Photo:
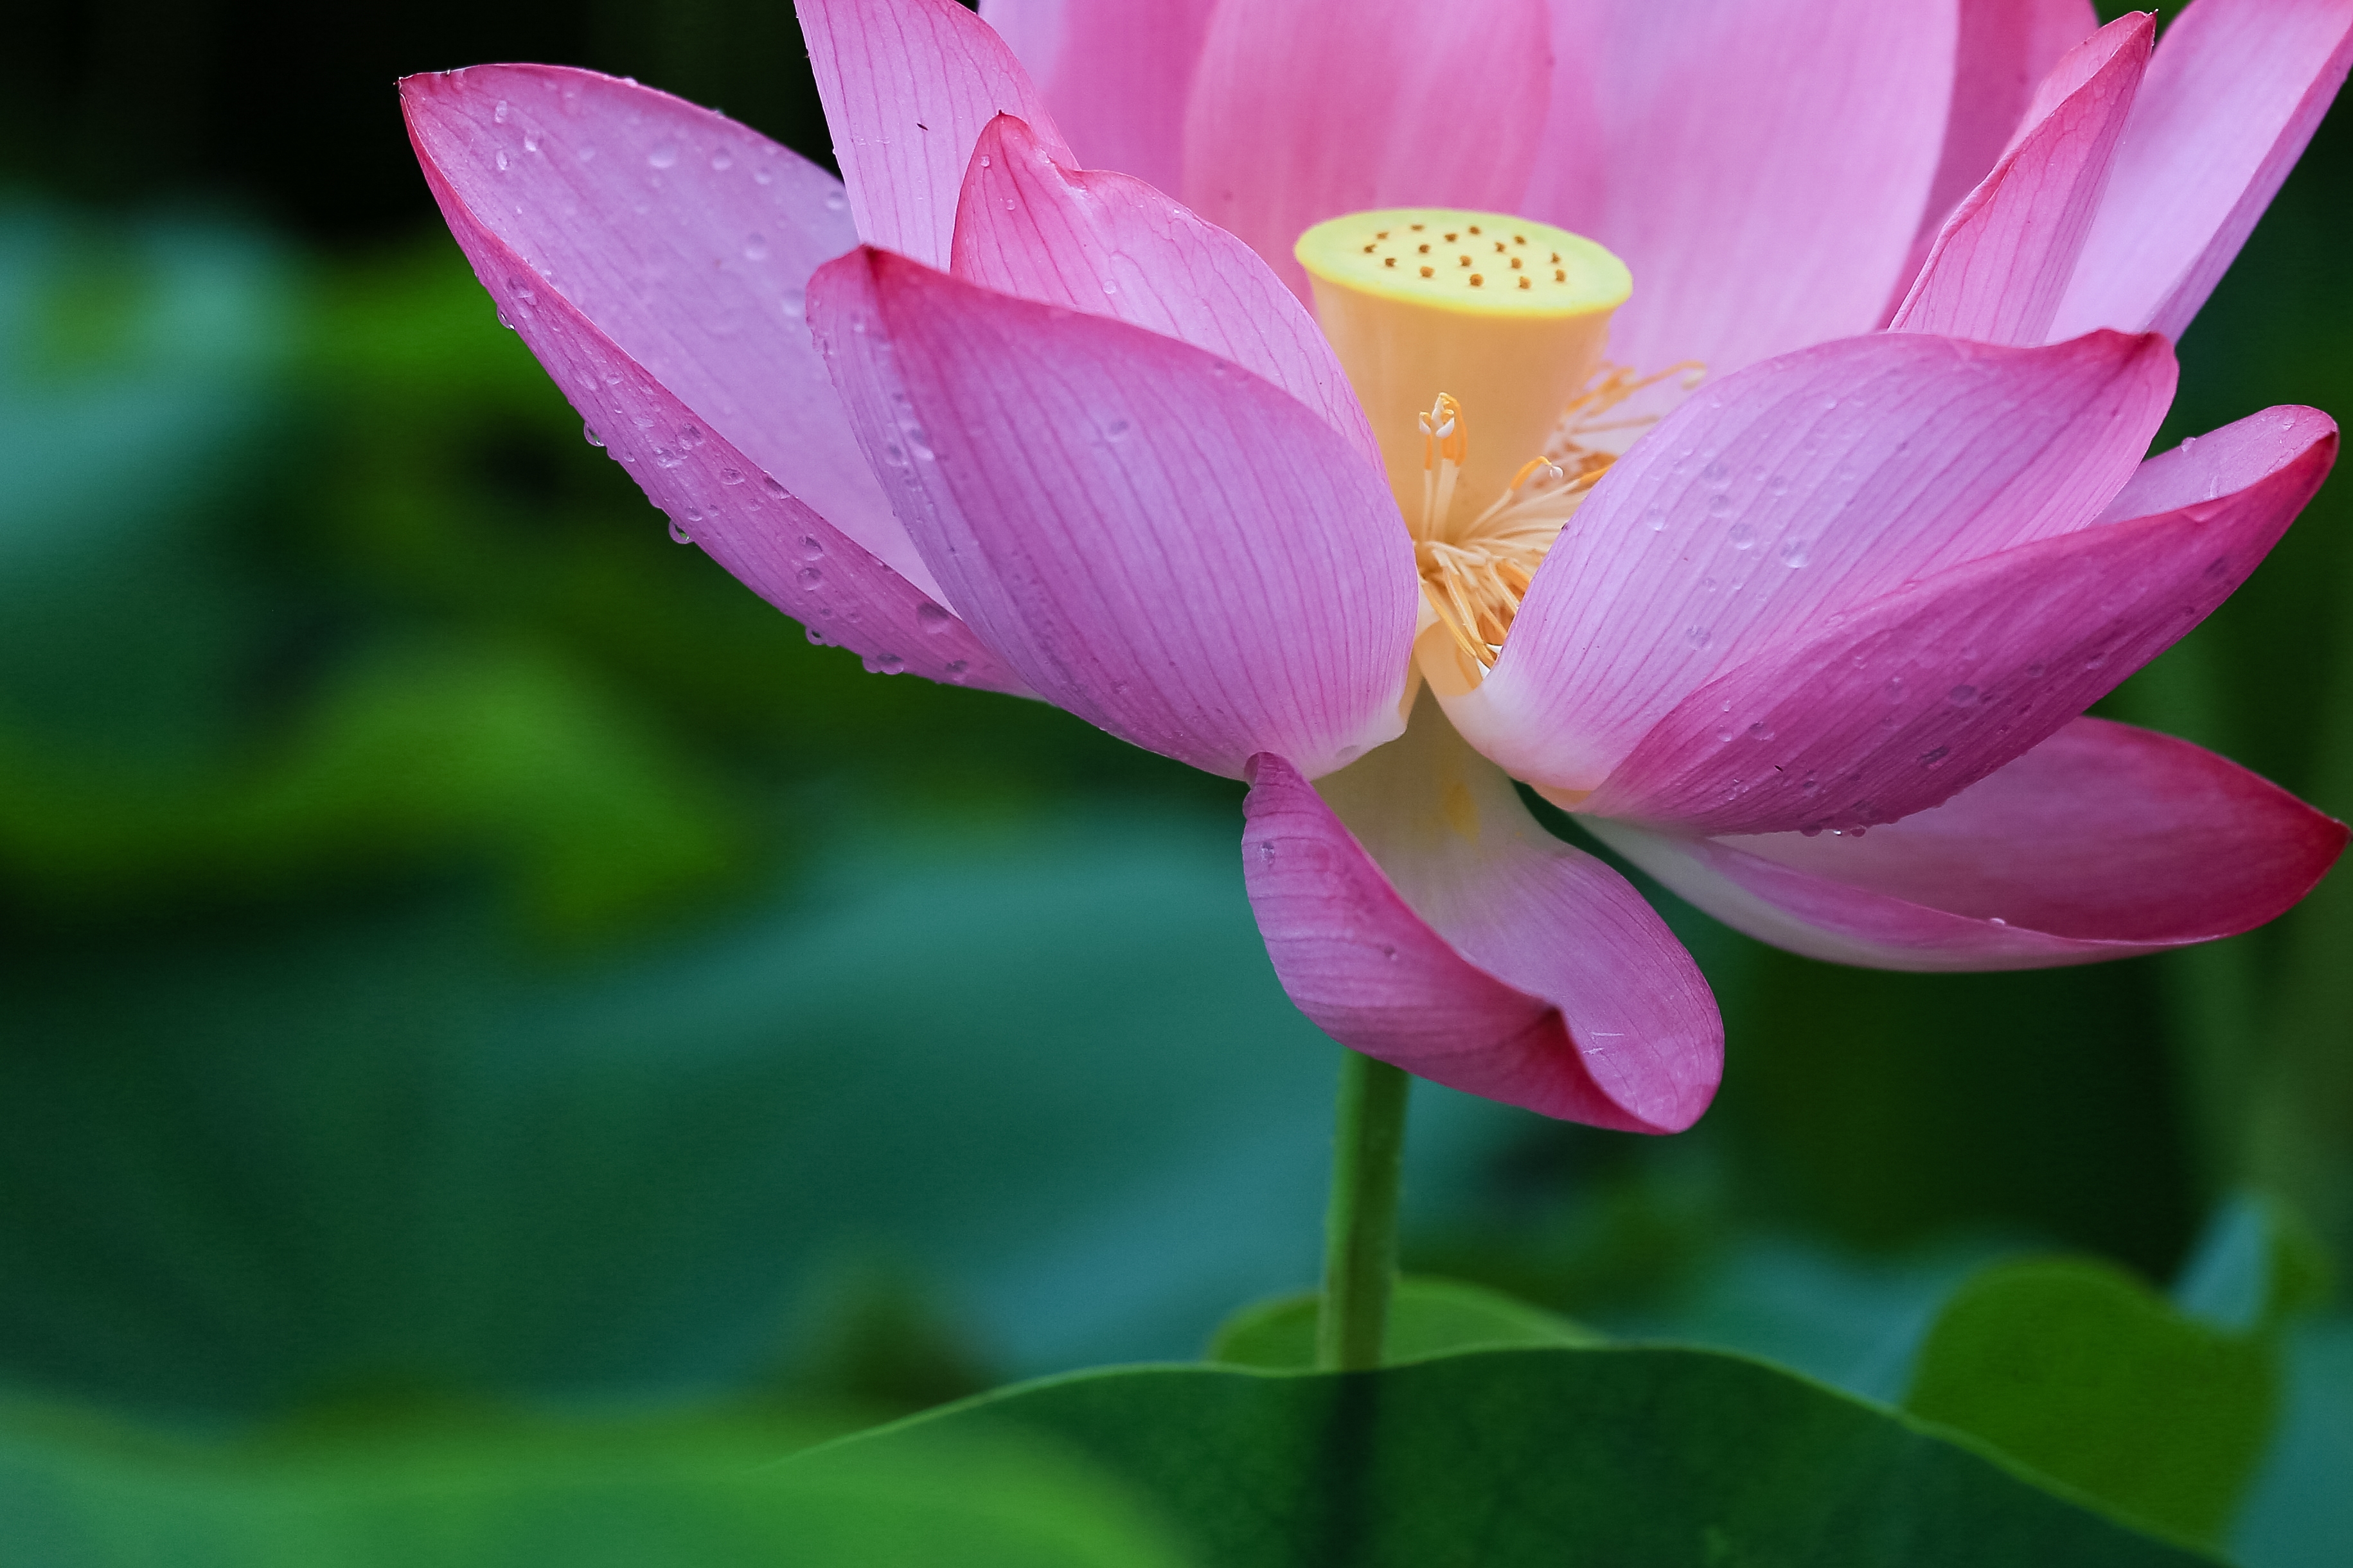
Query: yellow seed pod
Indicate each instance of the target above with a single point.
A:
(1507, 316)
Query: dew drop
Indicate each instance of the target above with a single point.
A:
(2035, 671)
(1894, 690)
(501, 159)
(1794, 553)
(588, 433)
(835, 201)
(933, 618)
(723, 160)
(1716, 474)
(809, 547)
(663, 155)
(1760, 732)
(808, 576)
(1961, 695)
(731, 476)
(1934, 758)
(678, 535)
(1698, 636)
(666, 459)
(1719, 506)
(768, 484)
(1656, 517)
(956, 666)
(756, 248)
(889, 664)
(1116, 430)
(500, 114)
(1742, 536)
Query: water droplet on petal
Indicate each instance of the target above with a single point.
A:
(933, 618)
(835, 201)
(678, 535)
(889, 664)
(1698, 636)
(588, 433)
(731, 476)
(723, 160)
(1793, 553)
(1741, 536)
(1961, 695)
(769, 484)
(756, 248)
(808, 576)
(664, 154)
(500, 114)
(810, 548)
(1656, 517)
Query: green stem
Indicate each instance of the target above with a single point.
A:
(1360, 1250)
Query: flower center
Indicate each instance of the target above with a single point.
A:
(1444, 319)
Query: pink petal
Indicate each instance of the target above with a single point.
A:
(2233, 94)
(1170, 548)
(2102, 842)
(1305, 109)
(2006, 47)
(694, 460)
(1116, 73)
(1469, 946)
(1800, 489)
(1998, 267)
(685, 238)
(1927, 690)
(907, 85)
(1763, 169)
(1112, 245)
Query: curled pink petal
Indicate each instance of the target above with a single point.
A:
(2102, 842)
(687, 239)
(688, 463)
(1112, 245)
(907, 85)
(2234, 92)
(1116, 73)
(1763, 168)
(1303, 109)
(2005, 48)
(1170, 548)
(1451, 936)
(1803, 488)
(1907, 700)
(1998, 268)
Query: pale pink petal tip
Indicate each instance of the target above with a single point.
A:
(720, 428)
(1524, 971)
(907, 85)
(2103, 842)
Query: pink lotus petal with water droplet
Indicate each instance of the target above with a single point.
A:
(2102, 842)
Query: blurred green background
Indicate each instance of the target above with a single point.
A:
(465, 961)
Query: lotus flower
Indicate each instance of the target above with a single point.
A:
(1813, 647)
